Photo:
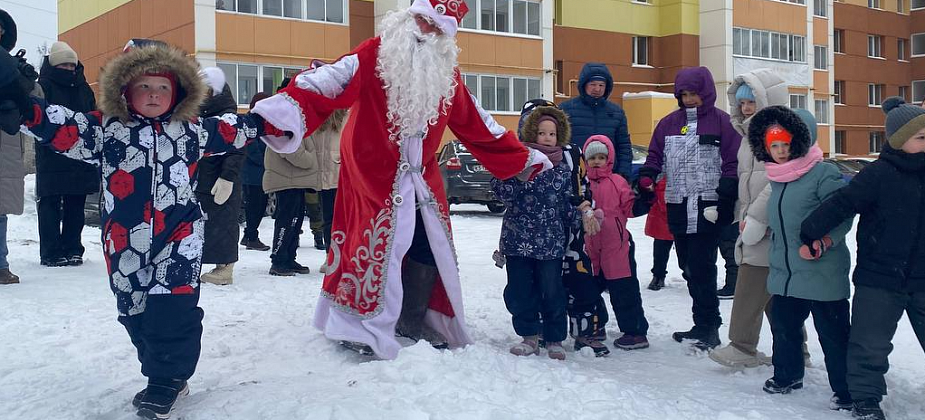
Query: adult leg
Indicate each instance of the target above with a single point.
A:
(915, 309)
(255, 205)
(290, 211)
(315, 217)
(418, 277)
(700, 250)
(875, 315)
(727, 244)
(49, 215)
(748, 308)
(788, 315)
(832, 324)
(4, 248)
(327, 213)
(72, 225)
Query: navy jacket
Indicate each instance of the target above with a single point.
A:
(590, 116)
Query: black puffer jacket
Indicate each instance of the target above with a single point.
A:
(889, 194)
(227, 166)
(57, 174)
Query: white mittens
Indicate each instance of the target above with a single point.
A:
(711, 214)
(222, 190)
(754, 231)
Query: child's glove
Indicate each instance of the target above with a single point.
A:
(711, 214)
(591, 221)
(222, 190)
(646, 179)
(813, 249)
(753, 232)
(538, 163)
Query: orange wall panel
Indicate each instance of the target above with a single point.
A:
(820, 31)
(821, 81)
(253, 39)
(770, 16)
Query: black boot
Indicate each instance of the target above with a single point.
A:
(417, 283)
(728, 291)
(774, 386)
(657, 283)
(319, 242)
(867, 410)
(704, 338)
(159, 398)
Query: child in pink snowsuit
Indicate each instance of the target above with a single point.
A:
(612, 249)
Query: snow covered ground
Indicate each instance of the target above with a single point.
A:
(63, 355)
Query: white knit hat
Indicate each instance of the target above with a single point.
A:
(214, 78)
(596, 148)
(61, 53)
(446, 14)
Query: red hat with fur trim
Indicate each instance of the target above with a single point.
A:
(446, 14)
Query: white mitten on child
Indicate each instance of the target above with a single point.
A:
(221, 190)
(711, 214)
(754, 231)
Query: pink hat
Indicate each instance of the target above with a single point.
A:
(446, 14)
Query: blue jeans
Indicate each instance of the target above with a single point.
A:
(4, 250)
(535, 297)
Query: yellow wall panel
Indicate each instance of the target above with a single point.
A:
(660, 18)
(72, 13)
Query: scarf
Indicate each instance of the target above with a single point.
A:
(554, 153)
(792, 170)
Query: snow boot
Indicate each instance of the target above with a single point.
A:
(54, 262)
(867, 410)
(555, 350)
(730, 356)
(160, 397)
(841, 402)
(299, 268)
(773, 386)
(631, 342)
(359, 348)
(600, 349)
(417, 283)
(529, 346)
(6, 277)
(728, 291)
(281, 270)
(222, 275)
(319, 242)
(75, 260)
(255, 244)
(704, 338)
(657, 283)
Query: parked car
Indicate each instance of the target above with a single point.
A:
(465, 179)
(640, 153)
(847, 168)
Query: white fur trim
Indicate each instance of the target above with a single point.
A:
(446, 23)
(214, 78)
(496, 129)
(331, 80)
(282, 111)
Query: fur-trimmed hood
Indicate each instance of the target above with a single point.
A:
(154, 58)
(800, 124)
(769, 90)
(531, 125)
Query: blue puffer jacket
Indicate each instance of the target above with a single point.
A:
(539, 214)
(252, 172)
(590, 116)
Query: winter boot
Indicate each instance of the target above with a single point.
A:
(255, 244)
(281, 270)
(773, 386)
(657, 283)
(728, 291)
(75, 260)
(222, 275)
(359, 348)
(631, 342)
(319, 242)
(160, 397)
(417, 283)
(600, 349)
(704, 338)
(555, 350)
(841, 402)
(730, 356)
(529, 346)
(299, 268)
(54, 262)
(867, 410)
(6, 277)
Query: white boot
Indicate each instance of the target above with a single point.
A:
(220, 275)
(323, 269)
(732, 357)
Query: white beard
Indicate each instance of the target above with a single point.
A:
(418, 73)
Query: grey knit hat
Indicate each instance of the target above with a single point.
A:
(596, 148)
(902, 120)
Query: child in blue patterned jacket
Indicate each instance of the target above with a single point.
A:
(533, 237)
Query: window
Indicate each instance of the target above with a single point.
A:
(643, 1)
(640, 50)
(820, 8)
(874, 95)
(840, 142)
(901, 49)
(875, 141)
(918, 44)
(900, 6)
(512, 16)
(560, 76)
(822, 111)
(917, 4)
(838, 41)
(875, 46)
(820, 57)
(771, 45)
(798, 101)
(502, 93)
(873, 4)
(794, 1)
(323, 10)
(918, 91)
(839, 94)
(904, 93)
(243, 79)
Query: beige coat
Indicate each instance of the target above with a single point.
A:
(769, 89)
(296, 170)
(12, 169)
(327, 146)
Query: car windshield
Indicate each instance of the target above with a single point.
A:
(640, 153)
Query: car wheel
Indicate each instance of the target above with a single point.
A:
(496, 207)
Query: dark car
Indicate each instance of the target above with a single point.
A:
(465, 179)
(640, 153)
(848, 168)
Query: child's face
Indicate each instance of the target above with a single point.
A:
(151, 95)
(597, 161)
(748, 107)
(780, 151)
(916, 143)
(547, 133)
(690, 99)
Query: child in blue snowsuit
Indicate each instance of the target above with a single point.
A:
(146, 141)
